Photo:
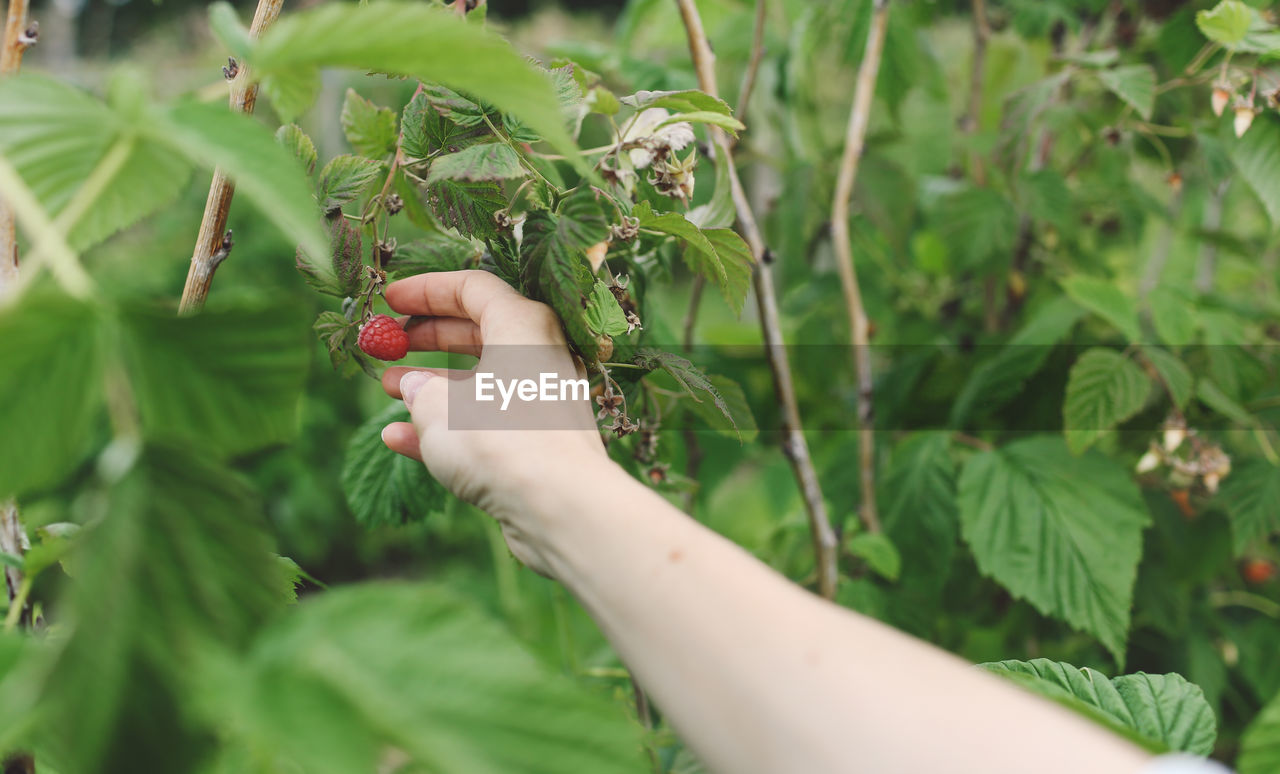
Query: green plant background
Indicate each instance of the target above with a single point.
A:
(171, 641)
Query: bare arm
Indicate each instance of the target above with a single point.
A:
(757, 675)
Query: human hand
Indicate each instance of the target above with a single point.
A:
(501, 460)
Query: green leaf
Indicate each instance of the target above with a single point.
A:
(291, 92)
(413, 668)
(1104, 389)
(1175, 377)
(604, 315)
(419, 41)
(735, 420)
(687, 101)
(1135, 84)
(998, 379)
(436, 251)
(1227, 23)
(1257, 157)
(555, 266)
(695, 383)
(1260, 745)
(720, 211)
(979, 224)
(1251, 496)
(1105, 299)
(488, 161)
(382, 487)
(728, 123)
(453, 106)
(178, 567)
(1062, 532)
(719, 255)
(370, 129)
(466, 207)
(1173, 316)
(1160, 712)
(299, 144)
(878, 551)
(228, 30)
(428, 132)
(345, 179)
(1211, 395)
(919, 509)
(265, 173)
(228, 380)
(48, 414)
(57, 137)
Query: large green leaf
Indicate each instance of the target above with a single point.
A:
(383, 487)
(345, 179)
(1173, 315)
(1104, 389)
(411, 667)
(1260, 745)
(979, 224)
(419, 41)
(51, 356)
(1062, 532)
(1251, 496)
(467, 207)
(1135, 84)
(1161, 712)
(691, 379)
(177, 567)
(1257, 157)
(1227, 23)
(56, 136)
(229, 380)
(1105, 299)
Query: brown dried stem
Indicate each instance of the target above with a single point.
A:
(855, 138)
(209, 242)
(19, 35)
(795, 446)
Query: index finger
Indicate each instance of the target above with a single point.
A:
(463, 294)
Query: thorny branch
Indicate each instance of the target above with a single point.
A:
(795, 446)
(855, 138)
(212, 236)
(19, 35)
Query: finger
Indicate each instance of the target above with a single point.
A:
(464, 294)
(427, 396)
(401, 438)
(392, 376)
(443, 334)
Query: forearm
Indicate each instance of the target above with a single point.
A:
(758, 675)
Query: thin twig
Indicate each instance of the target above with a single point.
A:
(753, 64)
(977, 78)
(855, 137)
(795, 446)
(244, 93)
(19, 35)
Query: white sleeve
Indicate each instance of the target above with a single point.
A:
(1184, 764)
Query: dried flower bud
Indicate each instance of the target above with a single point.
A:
(674, 178)
(625, 231)
(1244, 119)
(30, 36)
(609, 405)
(1221, 96)
(502, 220)
(1174, 181)
(657, 474)
(231, 69)
(623, 425)
(633, 322)
(393, 204)
(1112, 135)
(1149, 462)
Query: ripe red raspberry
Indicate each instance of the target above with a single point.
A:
(383, 338)
(1258, 571)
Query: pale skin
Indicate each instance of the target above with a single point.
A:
(757, 675)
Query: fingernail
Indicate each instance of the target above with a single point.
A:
(410, 383)
(383, 434)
